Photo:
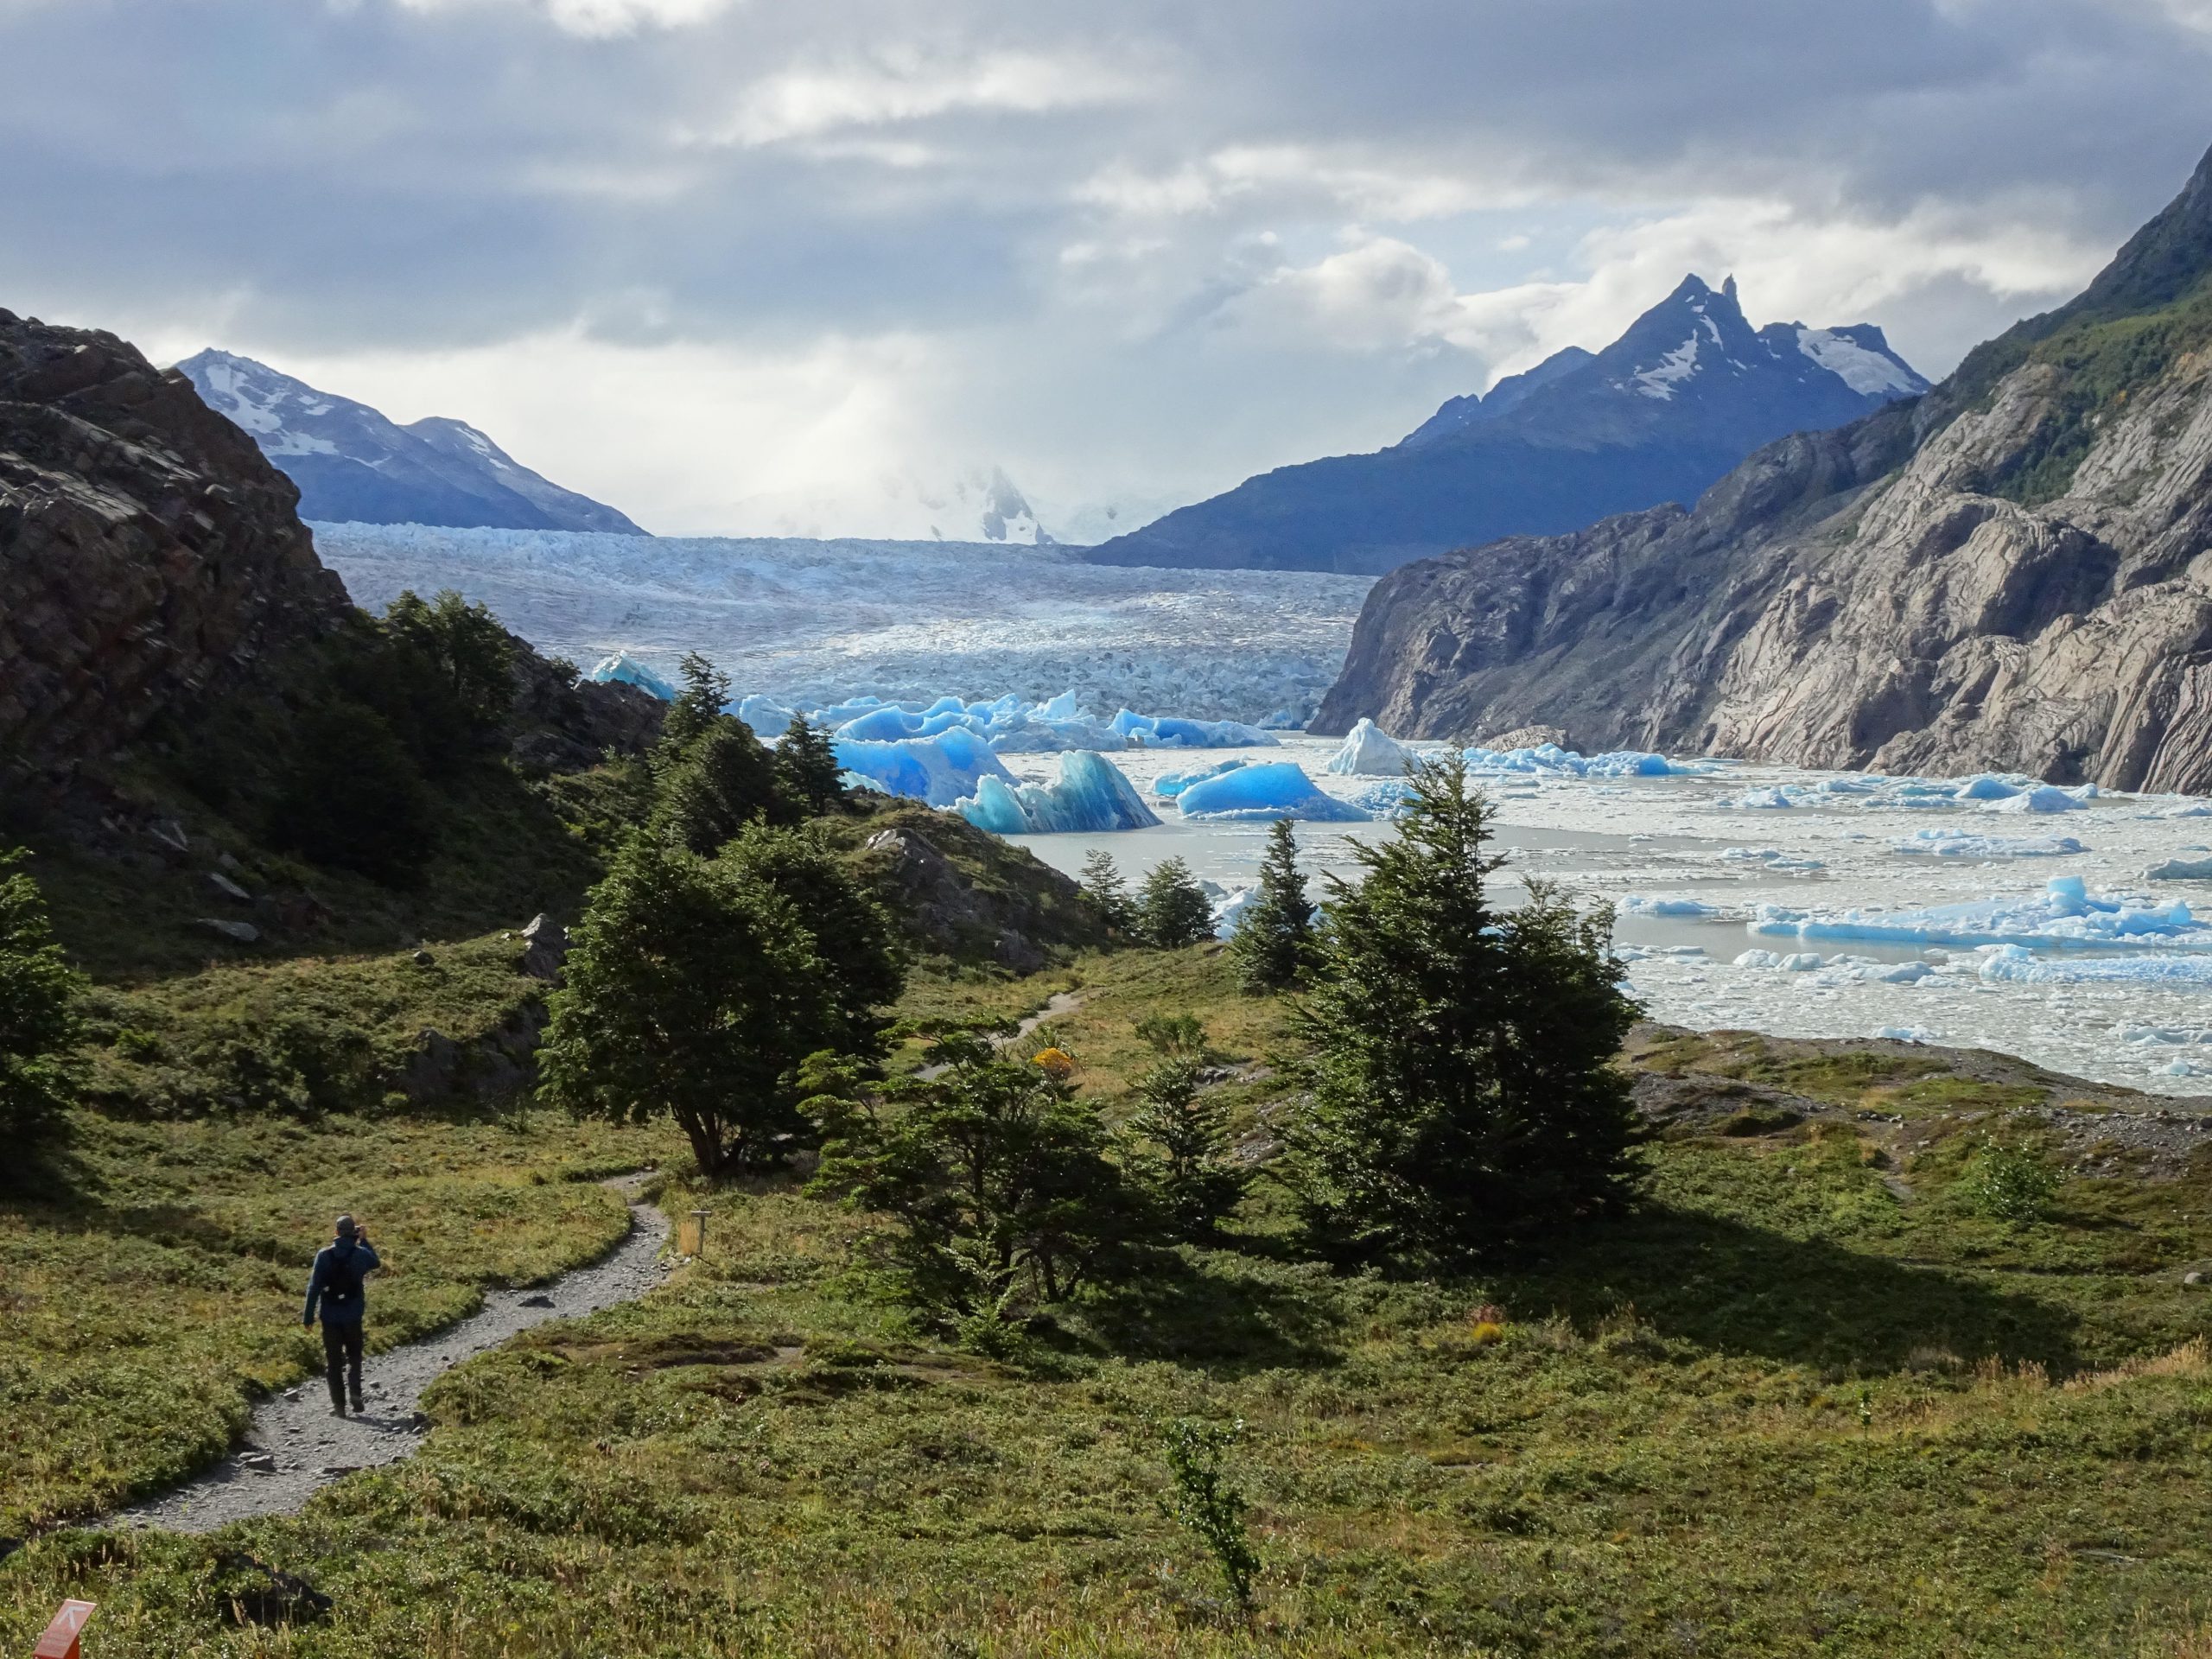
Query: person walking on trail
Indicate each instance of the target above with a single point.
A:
(335, 1287)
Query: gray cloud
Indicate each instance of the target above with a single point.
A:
(1136, 247)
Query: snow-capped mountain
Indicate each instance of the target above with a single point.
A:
(982, 504)
(354, 465)
(1660, 415)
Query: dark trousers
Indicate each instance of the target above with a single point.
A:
(342, 1347)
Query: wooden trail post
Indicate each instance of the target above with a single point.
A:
(59, 1641)
(699, 1231)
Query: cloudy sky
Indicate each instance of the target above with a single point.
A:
(688, 254)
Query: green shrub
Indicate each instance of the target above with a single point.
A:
(38, 1015)
(2007, 1183)
(1203, 1501)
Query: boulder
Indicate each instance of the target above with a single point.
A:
(236, 932)
(546, 943)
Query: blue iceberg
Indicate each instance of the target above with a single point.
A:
(941, 770)
(1170, 785)
(1090, 795)
(1277, 789)
(1169, 732)
(627, 671)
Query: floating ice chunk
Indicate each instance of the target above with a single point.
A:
(1168, 785)
(1638, 905)
(1987, 787)
(627, 671)
(1907, 1034)
(2044, 797)
(1550, 758)
(1761, 800)
(1759, 959)
(1801, 961)
(1369, 752)
(1384, 800)
(2168, 1035)
(1170, 732)
(2193, 810)
(1228, 914)
(941, 770)
(2012, 964)
(2180, 869)
(1956, 843)
(2064, 914)
(1090, 795)
(1277, 789)
(768, 719)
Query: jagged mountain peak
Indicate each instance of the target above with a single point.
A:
(352, 462)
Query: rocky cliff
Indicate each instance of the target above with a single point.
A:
(149, 553)
(2013, 572)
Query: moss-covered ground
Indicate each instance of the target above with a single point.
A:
(1806, 1402)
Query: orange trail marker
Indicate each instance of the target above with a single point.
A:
(59, 1641)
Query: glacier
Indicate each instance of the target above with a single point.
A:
(1090, 795)
(1274, 789)
(810, 624)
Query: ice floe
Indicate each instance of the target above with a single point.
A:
(1370, 752)
(2063, 916)
(1957, 843)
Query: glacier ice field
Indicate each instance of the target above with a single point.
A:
(818, 622)
(2067, 925)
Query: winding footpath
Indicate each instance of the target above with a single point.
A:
(294, 1445)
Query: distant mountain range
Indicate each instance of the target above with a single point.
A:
(355, 465)
(1660, 415)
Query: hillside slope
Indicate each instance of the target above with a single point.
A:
(2007, 574)
(1689, 391)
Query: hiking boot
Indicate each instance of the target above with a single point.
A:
(338, 1407)
(358, 1407)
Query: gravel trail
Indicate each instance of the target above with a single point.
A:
(294, 1444)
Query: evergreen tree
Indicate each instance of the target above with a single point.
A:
(1186, 1162)
(692, 988)
(1172, 909)
(38, 1017)
(1108, 894)
(466, 643)
(1275, 936)
(807, 767)
(722, 780)
(853, 939)
(995, 1171)
(1463, 1093)
(700, 702)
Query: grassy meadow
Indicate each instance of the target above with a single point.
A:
(1807, 1401)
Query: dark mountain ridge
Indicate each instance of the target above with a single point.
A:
(1685, 394)
(352, 465)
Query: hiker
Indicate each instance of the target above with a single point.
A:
(336, 1284)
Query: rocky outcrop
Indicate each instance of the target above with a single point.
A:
(2012, 572)
(149, 553)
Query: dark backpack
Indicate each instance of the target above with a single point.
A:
(341, 1286)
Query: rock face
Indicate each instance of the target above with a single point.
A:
(1689, 391)
(149, 553)
(354, 465)
(2012, 572)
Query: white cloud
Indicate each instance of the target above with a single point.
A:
(599, 19)
(906, 84)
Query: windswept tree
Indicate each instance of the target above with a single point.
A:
(1172, 909)
(1274, 935)
(1463, 1094)
(38, 1016)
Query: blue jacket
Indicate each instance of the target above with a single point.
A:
(339, 1269)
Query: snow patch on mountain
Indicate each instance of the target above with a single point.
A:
(1861, 370)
